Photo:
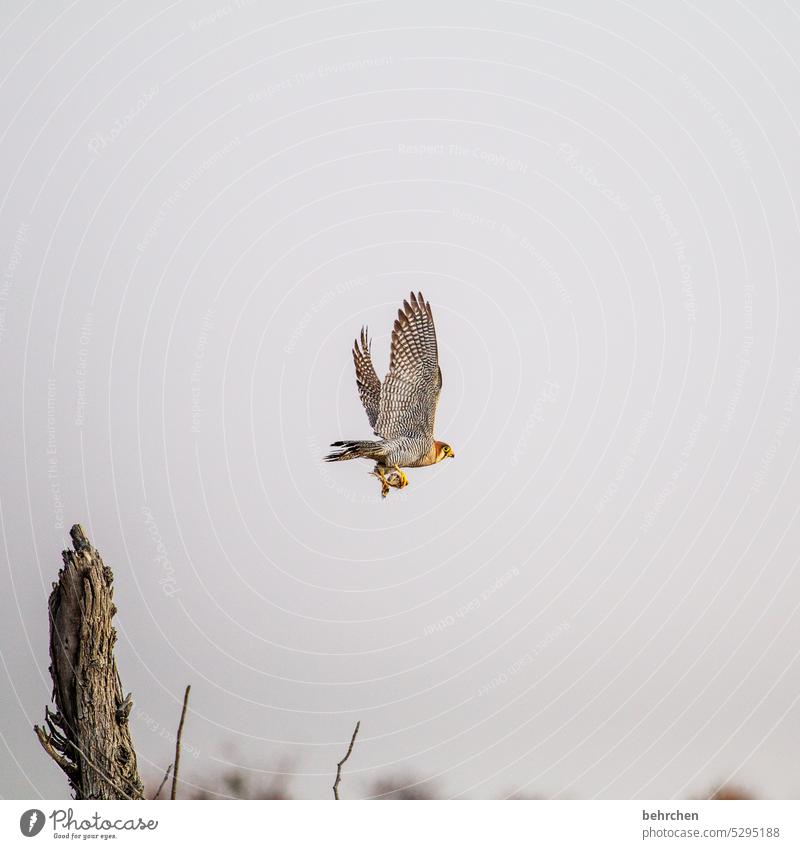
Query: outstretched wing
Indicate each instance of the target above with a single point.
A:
(411, 390)
(369, 387)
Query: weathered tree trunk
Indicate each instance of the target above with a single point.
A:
(88, 735)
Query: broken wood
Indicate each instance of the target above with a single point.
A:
(88, 735)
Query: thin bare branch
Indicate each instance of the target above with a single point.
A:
(66, 765)
(163, 782)
(178, 743)
(343, 761)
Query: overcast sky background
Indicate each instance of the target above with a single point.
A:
(201, 205)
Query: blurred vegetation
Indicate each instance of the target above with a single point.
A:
(242, 784)
(734, 792)
(237, 784)
(403, 787)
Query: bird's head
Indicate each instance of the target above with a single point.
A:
(443, 450)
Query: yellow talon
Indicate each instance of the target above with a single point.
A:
(402, 476)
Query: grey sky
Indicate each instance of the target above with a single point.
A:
(202, 205)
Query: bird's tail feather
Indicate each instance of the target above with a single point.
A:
(352, 449)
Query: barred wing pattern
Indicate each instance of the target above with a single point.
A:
(369, 387)
(410, 392)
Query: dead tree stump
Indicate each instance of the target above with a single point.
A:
(88, 734)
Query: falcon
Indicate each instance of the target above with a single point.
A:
(402, 409)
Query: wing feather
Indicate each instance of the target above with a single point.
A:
(369, 387)
(410, 392)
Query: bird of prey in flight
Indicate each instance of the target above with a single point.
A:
(401, 410)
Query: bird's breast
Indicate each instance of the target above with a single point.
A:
(427, 459)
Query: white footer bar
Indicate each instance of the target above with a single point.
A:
(384, 825)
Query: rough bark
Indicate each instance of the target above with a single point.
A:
(88, 734)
